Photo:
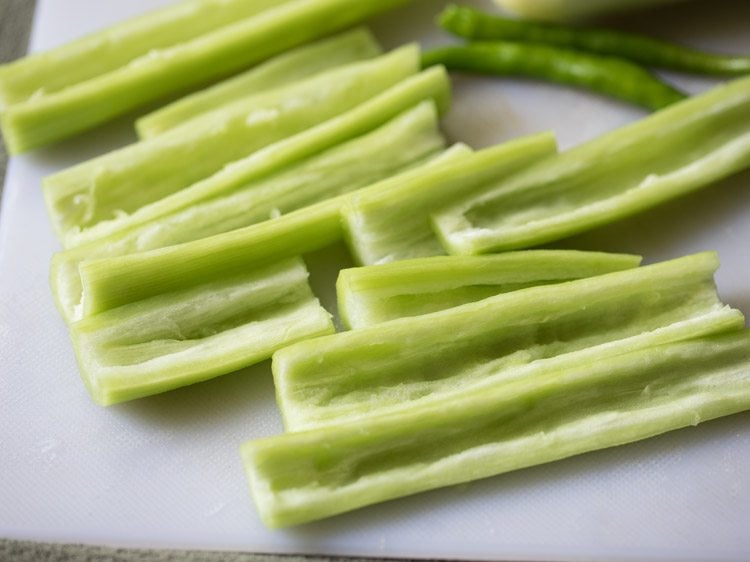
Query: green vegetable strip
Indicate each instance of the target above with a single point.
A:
(411, 360)
(112, 282)
(557, 413)
(476, 25)
(375, 294)
(680, 149)
(175, 69)
(123, 181)
(714, 322)
(281, 70)
(44, 73)
(428, 85)
(392, 223)
(432, 84)
(403, 142)
(212, 329)
(610, 76)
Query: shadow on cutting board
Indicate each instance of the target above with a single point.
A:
(224, 400)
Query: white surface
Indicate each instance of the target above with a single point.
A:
(165, 471)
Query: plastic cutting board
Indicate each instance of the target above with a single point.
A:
(165, 471)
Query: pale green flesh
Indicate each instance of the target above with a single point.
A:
(123, 181)
(179, 68)
(82, 285)
(394, 223)
(51, 71)
(556, 413)
(677, 150)
(404, 141)
(111, 282)
(283, 69)
(374, 294)
(401, 143)
(400, 363)
(432, 84)
(181, 338)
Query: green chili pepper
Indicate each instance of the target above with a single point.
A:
(611, 76)
(476, 25)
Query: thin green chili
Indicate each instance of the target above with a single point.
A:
(611, 76)
(476, 25)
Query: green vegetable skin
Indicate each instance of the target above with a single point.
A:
(51, 71)
(392, 222)
(611, 76)
(215, 321)
(216, 324)
(204, 331)
(282, 69)
(476, 25)
(161, 72)
(399, 144)
(375, 294)
(405, 141)
(84, 201)
(348, 124)
(113, 282)
(677, 150)
(406, 362)
(579, 405)
(144, 230)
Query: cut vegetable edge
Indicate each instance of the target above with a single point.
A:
(97, 197)
(701, 265)
(111, 282)
(368, 218)
(64, 275)
(127, 40)
(206, 58)
(609, 76)
(478, 25)
(300, 477)
(364, 293)
(285, 68)
(526, 325)
(478, 224)
(342, 125)
(460, 237)
(721, 320)
(117, 364)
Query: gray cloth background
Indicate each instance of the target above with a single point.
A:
(15, 26)
(24, 551)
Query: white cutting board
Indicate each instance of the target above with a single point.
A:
(165, 471)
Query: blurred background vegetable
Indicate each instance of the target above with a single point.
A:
(611, 76)
(567, 10)
(476, 25)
